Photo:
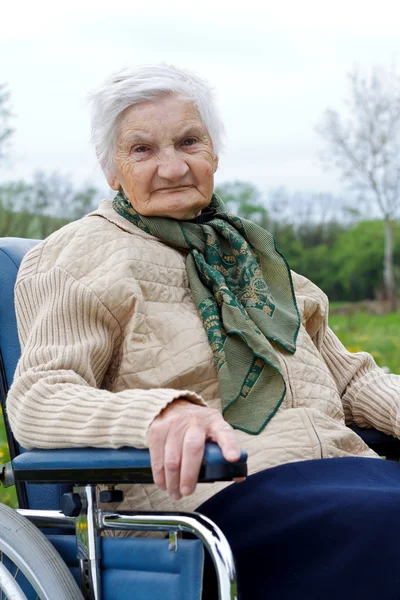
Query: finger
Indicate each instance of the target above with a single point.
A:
(192, 456)
(156, 439)
(172, 462)
(223, 434)
(239, 479)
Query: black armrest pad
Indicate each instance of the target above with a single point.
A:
(125, 465)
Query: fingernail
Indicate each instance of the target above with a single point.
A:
(176, 496)
(233, 455)
(186, 490)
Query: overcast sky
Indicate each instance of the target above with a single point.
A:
(275, 65)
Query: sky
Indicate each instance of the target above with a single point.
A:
(275, 67)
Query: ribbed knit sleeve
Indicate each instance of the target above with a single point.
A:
(68, 338)
(370, 397)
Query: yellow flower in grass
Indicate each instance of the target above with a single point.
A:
(363, 338)
(355, 349)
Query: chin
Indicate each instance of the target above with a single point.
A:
(184, 214)
(177, 205)
(190, 214)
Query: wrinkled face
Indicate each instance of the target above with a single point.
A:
(164, 160)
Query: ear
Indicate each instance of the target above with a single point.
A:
(114, 183)
(215, 163)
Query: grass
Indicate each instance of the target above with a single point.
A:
(378, 335)
(8, 495)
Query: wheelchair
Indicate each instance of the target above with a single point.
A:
(52, 547)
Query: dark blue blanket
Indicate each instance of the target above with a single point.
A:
(319, 530)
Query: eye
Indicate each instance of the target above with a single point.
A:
(140, 149)
(189, 142)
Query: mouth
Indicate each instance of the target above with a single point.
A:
(180, 188)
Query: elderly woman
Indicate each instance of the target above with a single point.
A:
(162, 321)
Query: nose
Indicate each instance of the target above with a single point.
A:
(172, 166)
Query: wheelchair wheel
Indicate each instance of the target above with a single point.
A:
(30, 568)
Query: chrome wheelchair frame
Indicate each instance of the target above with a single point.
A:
(91, 521)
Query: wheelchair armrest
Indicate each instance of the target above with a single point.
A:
(126, 465)
(383, 444)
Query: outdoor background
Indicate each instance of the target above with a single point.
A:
(310, 96)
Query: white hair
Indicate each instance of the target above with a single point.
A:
(137, 84)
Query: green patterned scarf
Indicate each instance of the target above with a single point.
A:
(243, 291)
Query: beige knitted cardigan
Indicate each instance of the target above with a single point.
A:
(110, 336)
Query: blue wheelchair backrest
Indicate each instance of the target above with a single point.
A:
(12, 251)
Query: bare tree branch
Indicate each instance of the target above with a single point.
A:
(5, 115)
(366, 146)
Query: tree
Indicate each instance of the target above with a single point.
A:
(17, 215)
(357, 256)
(365, 147)
(244, 199)
(54, 194)
(5, 114)
(37, 208)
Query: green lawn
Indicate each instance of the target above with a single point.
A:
(7, 496)
(379, 335)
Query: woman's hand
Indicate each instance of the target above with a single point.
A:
(176, 441)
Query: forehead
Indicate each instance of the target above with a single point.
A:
(167, 113)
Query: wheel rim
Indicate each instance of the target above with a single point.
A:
(14, 591)
(9, 585)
